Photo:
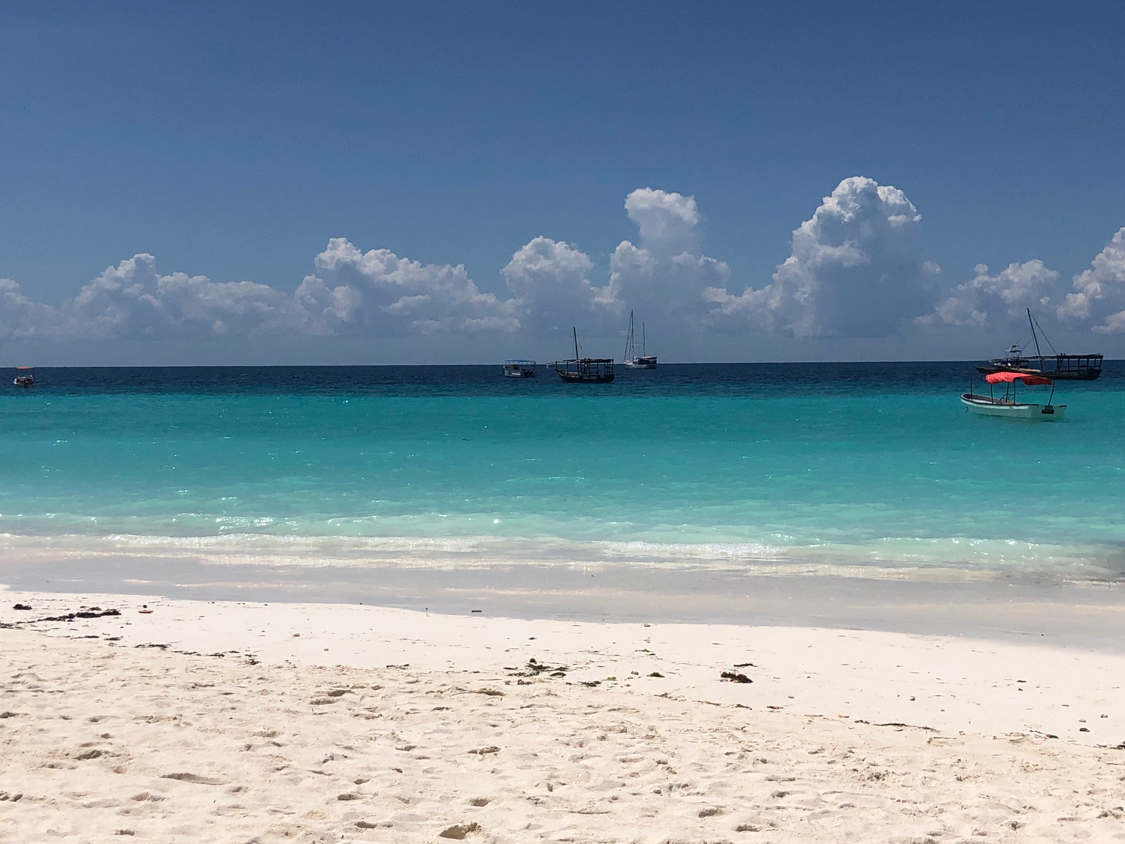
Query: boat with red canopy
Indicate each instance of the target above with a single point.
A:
(1007, 405)
(25, 377)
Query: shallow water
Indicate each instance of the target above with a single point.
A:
(870, 470)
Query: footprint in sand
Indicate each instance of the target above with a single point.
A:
(195, 778)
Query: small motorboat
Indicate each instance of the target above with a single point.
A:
(1007, 406)
(519, 368)
(25, 377)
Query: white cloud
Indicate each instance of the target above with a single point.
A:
(672, 286)
(856, 269)
(550, 280)
(667, 221)
(20, 317)
(1006, 294)
(381, 292)
(666, 277)
(133, 300)
(1100, 291)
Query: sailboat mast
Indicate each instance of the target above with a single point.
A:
(575, 330)
(644, 346)
(629, 338)
(1034, 337)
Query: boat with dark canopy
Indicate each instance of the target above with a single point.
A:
(1057, 366)
(581, 370)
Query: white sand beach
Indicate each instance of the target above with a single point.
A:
(244, 722)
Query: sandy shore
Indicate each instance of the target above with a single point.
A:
(311, 722)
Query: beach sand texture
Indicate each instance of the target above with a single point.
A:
(466, 738)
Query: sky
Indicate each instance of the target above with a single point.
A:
(448, 182)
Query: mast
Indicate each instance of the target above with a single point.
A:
(1031, 322)
(644, 346)
(575, 330)
(629, 338)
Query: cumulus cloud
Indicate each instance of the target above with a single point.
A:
(20, 317)
(1100, 291)
(1005, 294)
(856, 269)
(665, 276)
(667, 221)
(379, 291)
(550, 281)
(133, 300)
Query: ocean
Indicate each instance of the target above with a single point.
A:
(868, 470)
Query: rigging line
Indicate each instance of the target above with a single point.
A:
(1044, 333)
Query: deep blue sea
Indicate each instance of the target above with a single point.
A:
(792, 468)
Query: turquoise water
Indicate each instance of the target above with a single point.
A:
(862, 467)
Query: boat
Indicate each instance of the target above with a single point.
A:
(1058, 367)
(584, 370)
(25, 377)
(631, 359)
(1007, 406)
(519, 368)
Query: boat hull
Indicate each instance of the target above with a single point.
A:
(583, 378)
(985, 406)
(647, 362)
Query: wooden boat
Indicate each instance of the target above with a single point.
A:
(519, 368)
(25, 377)
(584, 370)
(1058, 367)
(631, 359)
(1007, 406)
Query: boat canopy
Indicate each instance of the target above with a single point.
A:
(1008, 377)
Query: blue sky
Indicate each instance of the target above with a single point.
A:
(235, 142)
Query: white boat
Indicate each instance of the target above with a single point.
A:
(1007, 406)
(25, 377)
(519, 368)
(631, 359)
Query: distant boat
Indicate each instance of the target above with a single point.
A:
(584, 370)
(1007, 406)
(1065, 367)
(632, 360)
(519, 368)
(25, 377)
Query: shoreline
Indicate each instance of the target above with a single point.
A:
(1019, 609)
(312, 722)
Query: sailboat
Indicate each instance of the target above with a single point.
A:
(632, 360)
(584, 370)
(1067, 367)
